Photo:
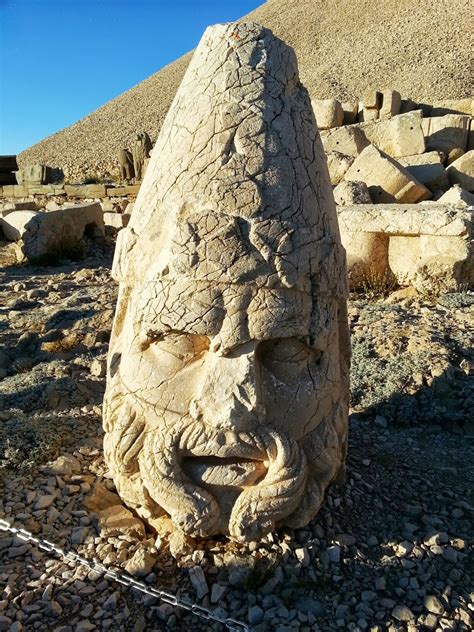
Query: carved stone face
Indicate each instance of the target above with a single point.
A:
(226, 403)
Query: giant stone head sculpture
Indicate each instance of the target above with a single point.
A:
(227, 395)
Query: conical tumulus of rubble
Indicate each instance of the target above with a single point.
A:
(227, 394)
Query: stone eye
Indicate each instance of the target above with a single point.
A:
(184, 347)
(284, 350)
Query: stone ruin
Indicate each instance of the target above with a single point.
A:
(227, 390)
(35, 233)
(34, 174)
(133, 163)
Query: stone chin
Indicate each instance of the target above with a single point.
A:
(212, 481)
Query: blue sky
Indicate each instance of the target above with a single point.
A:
(62, 59)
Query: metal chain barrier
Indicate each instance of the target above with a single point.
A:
(125, 580)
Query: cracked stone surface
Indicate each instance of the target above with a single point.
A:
(227, 390)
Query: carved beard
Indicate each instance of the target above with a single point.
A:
(147, 465)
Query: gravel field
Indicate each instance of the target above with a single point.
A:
(420, 49)
(391, 549)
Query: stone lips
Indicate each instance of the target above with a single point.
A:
(226, 403)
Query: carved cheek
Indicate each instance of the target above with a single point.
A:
(296, 400)
(158, 382)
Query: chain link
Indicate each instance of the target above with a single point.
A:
(125, 580)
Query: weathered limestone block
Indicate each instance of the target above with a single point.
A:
(349, 140)
(429, 246)
(350, 110)
(367, 114)
(115, 220)
(444, 133)
(41, 189)
(15, 191)
(85, 190)
(453, 106)
(387, 180)
(457, 196)
(372, 99)
(116, 191)
(348, 193)
(232, 299)
(367, 258)
(117, 520)
(400, 135)
(391, 102)
(26, 205)
(132, 189)
(34, 174)
(461, 171)
(41, 233)
(328, 113)
(427, 169)
(14, 227)
(369, 107)
(338, 164)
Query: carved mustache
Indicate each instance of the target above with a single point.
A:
(195, 510)
(158, 453)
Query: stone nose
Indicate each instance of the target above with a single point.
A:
(230, 394)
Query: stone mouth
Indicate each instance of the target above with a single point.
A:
(223, 471)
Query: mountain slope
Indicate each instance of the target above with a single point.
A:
(344, 48)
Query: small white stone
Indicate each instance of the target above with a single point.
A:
(198, 580)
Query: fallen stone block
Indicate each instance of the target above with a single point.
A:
(461, 171)
(328, 113)
(428, 246)
(367, 114)
(370, 105)
(132, 189)
(367, 257)
(14, 227)
(350, 110)
(117, 520)
(26, 205)
(349, 140)
(372, 99)
(457, 196)
(338, 164)
(34, 174)
(85, 190)
(41, 189)
(115, 220)
(15, 190)
(401, 135)
(427, 169)
(391, 101)
(348, 193)
(453, 106)
(52, 206)
(116, 191)
(386, 180)
(42, 233)
(444, 133)
(100, 498)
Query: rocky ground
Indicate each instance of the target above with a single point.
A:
(390, 550)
